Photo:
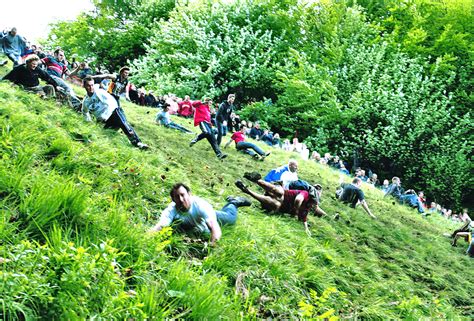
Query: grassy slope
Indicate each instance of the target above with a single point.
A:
(76, 201)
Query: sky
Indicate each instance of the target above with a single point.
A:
(31, 17)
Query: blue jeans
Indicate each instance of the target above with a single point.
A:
(227, 215)
(178, 127)
(14, 58)
(221, 131)
(247, 148)
(413, 201)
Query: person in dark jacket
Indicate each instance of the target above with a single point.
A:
(27, 75)
(223, 117)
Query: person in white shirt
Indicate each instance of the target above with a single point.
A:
(193, 214)
(291, 174)
(105, 109)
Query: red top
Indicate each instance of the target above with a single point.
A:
(202, 113)
(238, 137)
(185, 108)
(289, 203)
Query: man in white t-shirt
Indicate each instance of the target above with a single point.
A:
(291, 175)
(193, 214)
(105, 109)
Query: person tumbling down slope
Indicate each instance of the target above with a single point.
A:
(353, 195)
(276, 199)
(192, 214)
(202, 118)
(105, 109)
(246, 147)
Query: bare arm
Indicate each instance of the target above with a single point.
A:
(105, 76)
(216, 231)
(366, 208)
(228, 143)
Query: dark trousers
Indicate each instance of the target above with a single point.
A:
(221, 131)
(206, 132)
(117, 120)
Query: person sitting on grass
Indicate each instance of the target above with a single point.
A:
(246, 147)
(105, 109)
(276, 199)
(353, 195)
(194, 215)
(395, 189)
(185, 107)
(411, 199)
(163, 118)
(27, 75)
(467, 233)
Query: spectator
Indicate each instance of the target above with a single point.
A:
(267, 137)
(202, 118)
(411, 199)
(395, 189)
(171, 101)
(223, 117)
(150, 99)
(27, 75)
(256, 132)
(421, 197)
(105, 109)
(82, 71)
(287, 146)
(353, 195)
(343, 169)
(276, 142)
(246, 147)
(385, 186)
(296, 146)
(315, 156)
(13, 45)
(163, 118)
(433, 208)
(373, 180)
(304, 152)
(464, 217)
(234, 124)
(185, 107)
(193, 214)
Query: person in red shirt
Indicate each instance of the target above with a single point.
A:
(276, 199)
(246, 147)
(185, 108)
(202, 118)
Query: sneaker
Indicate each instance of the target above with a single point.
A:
(256, 157)
(142, 146)
(191, 143)
(252, 176)
(266, 155)
(222, 156)
(238, 201)
(3, 63)
(240, 185)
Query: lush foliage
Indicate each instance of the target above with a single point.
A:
(76, 201)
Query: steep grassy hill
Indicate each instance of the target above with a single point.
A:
(76, 202)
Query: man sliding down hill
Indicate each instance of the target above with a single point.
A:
(193, 214)
(105, 109)
(276, 199)
(352, 194)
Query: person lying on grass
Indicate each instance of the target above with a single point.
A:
(246, 147)
(192, 214)
(163, 118)
(353, 195)
(276, 199)
(286, 174)
(106, 110)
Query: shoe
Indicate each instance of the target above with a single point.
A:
(142, 146)
(222, 156)
(240, 185)
(238, 201)
(252, 176)
(266, 155)
(256, 157)
(191, 143)
(3, 63)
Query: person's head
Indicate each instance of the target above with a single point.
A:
(421, 194)
(187, 98)
(356, 181)
(292, 165)
(124, 72)
(231, 98)
(207, 101)
(88, 84)
(249, 124)
(385, 182)
(13, 32)
(243, 128)
(257, 125)
(395, 180)
(327, 156)
(166, 107)
(243, 122)
(433, 205)
(374, 177)
(59, 54)
(295, 141)
(315, 155)
(181, 196)
(362, 172)
(32, 62)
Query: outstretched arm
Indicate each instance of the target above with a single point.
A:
(364, 205)
(228, 143)
(216, 231)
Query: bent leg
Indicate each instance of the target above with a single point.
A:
(227, 215)
(276, 190)
(118, 120)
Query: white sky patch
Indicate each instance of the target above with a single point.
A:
(31, 17)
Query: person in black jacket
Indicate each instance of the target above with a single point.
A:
(27, 75)
(223, 116)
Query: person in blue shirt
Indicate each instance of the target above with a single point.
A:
(163, 118)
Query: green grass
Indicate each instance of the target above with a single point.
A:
(77, 200)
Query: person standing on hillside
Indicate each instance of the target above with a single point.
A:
(13, 45)
(28, 74)
(353, 195)
(202, 118)
(193, 214)
(223, 117)
(105, 109)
